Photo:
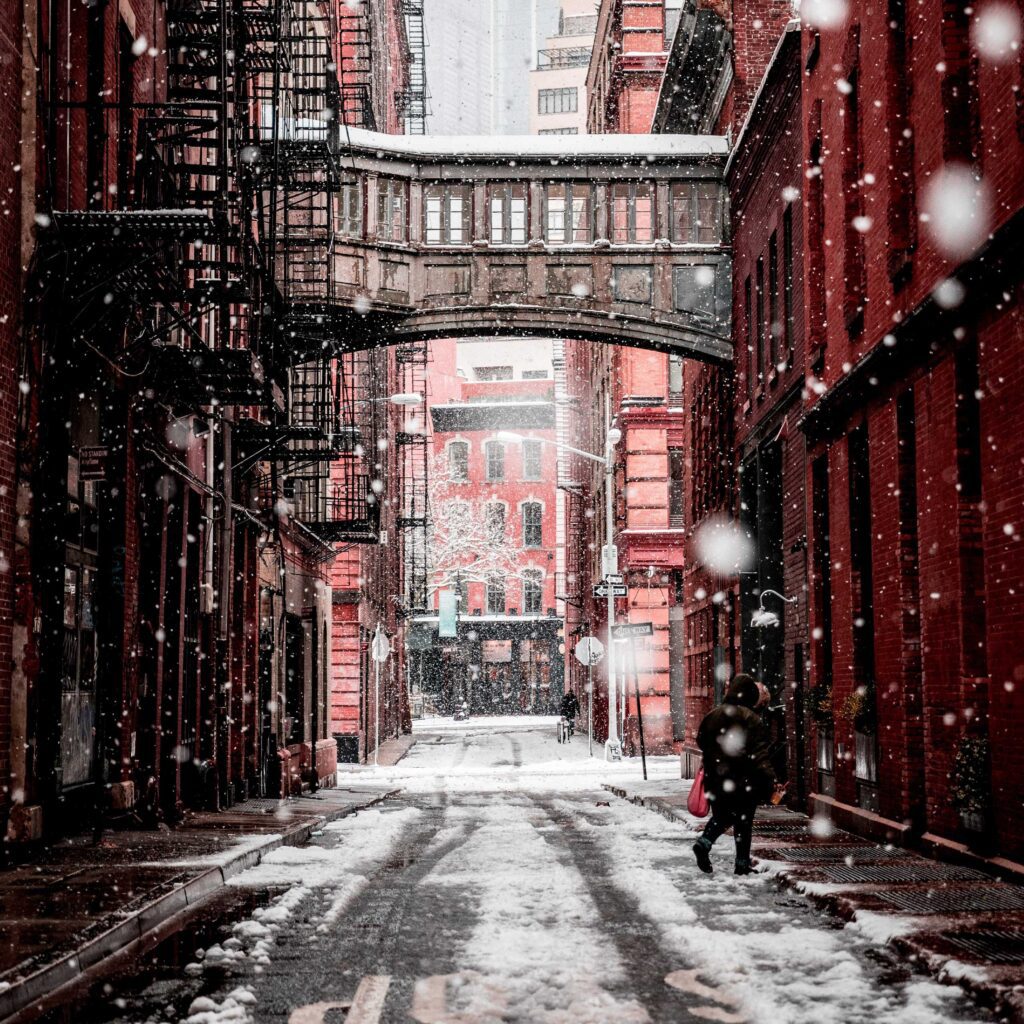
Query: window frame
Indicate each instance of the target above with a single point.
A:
(491, 447)
(536, 448)
(629, 191)
(462, 446)
(446, 194)
(568, 228)
(392, 199)
(505, 195)
(493, 589)
(689, 195)
(532, 540)
(562, 100)
(351, 222)
(495, 521)
(533, 587)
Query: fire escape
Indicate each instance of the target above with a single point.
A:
(415, 106)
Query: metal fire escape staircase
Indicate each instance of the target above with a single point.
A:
(415, 106)
(413, 443)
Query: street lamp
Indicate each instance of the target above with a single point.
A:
(612, 746)
(762, 618)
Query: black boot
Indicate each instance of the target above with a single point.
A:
(744, 867)
(702, 851)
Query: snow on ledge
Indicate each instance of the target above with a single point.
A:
(451, 147)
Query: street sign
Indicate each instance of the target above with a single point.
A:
(614, 589)
(589, 651)
(613, 577)
(92, 462)
(380, 648)
(631, 630)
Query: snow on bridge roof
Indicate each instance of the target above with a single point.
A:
(527, 147)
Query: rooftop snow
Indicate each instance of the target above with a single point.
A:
(527, 146)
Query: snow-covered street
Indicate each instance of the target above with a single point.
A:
(505, 884)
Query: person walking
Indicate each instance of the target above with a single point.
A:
(737, 770)
(570, 706)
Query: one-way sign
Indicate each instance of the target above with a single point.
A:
(614, 589)
(629, 630)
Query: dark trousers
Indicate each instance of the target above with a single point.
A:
(740, 817)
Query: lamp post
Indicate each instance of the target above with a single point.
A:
(763, 618)
(612, 746)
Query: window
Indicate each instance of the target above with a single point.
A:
(759, 327)
(695, 291)
(533, 591)
(748, 337)
(774, 327)
(558, 101)
(508, 214)
(492, 372)
(567, 216)
(676, 504)
(558, 131)
(787, 284)
(447, 214)
(496, 595)
(853, 203)
(494, 521)
(458, 461)
(675, 380)
(350, 214)
(533, 517)
(633, 212)
(532, 460)
(495, 460)
(697, 212)
(391, 207)
(535, 374)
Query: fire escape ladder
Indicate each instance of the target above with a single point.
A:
(356, 41)
(415, 106)
(413, 444)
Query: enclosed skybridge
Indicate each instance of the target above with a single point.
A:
(387, 239)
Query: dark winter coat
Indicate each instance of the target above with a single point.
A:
(570, 705)
(737, 768)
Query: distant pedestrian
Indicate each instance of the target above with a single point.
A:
(570, 706)
(737, 770)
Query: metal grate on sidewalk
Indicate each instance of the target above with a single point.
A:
(997, 947)
(920, 871)
(800, 854)
(953, 900)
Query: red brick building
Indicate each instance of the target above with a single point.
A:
(873, 430)
(643, 391)
(166, 521)
(493, 530)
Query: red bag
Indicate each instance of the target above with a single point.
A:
(697, 802)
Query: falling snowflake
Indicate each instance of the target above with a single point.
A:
(996, 32)
(824, 14)
(957, 211)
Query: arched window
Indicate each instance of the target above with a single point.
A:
(458, 461)
(533, 591)
(533, 518)
(494, 518)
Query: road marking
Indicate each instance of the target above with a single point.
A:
(368, 1003)
(430, 1000)
(314, 1013)
(687, 981)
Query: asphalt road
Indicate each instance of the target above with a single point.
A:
(506, 885)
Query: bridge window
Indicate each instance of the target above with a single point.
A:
(495, 460)
(533, 529)
(695, 291)
(492, 372)
(558, 101)
(447, 213)
(508, 214)
(633, 212)
(567, 217)
(697, 212)
(350, 219)
(458, 461)
(533, 591)
(391, 207)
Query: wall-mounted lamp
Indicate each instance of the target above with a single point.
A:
(763, 618)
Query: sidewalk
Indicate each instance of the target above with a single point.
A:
(389, 754)
(963, 926)
(80, 903)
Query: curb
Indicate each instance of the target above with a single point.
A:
(70, 969)
(1003, 998)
